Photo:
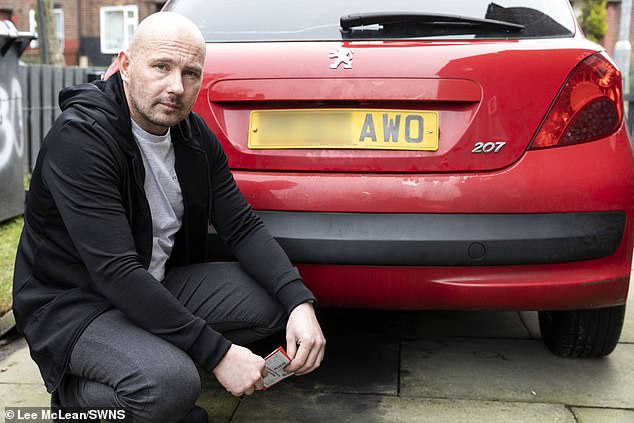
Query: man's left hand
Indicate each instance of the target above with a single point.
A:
(305, 343)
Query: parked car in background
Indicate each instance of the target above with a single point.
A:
(463, 154)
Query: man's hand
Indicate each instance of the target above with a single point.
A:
(305, 343)
(240, 371)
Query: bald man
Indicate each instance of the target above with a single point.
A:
(112, 290)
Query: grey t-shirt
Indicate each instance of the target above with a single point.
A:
(163, 192)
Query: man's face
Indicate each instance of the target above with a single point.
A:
(162, 79)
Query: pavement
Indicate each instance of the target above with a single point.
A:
(431, 366)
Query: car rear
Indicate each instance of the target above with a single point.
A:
(463, 155)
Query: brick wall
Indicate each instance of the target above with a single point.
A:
(81, 25)
(614, 21)
(613, 17)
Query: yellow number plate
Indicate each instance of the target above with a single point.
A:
(344, 128)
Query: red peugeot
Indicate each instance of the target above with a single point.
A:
(461, 154)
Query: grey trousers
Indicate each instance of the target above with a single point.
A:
(117, 364)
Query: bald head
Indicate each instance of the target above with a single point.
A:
(162, 70)
(165, 26)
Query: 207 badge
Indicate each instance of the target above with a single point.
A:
(488, 147)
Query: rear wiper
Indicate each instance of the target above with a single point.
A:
(397, 18)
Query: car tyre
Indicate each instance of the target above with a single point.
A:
(582, 333)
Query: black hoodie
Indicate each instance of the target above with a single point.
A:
(87, 238)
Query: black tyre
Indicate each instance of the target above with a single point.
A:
(582, 333)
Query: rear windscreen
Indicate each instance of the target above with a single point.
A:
(303, 20)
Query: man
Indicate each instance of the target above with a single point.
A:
(111, 288)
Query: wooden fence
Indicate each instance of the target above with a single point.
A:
(41, 85)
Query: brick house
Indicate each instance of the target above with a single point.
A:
(91, 31)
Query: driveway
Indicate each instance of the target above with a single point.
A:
(434, 366)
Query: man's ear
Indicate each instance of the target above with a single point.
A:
(124, 65)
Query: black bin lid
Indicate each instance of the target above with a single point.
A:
(10, 36)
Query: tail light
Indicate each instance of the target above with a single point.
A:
(587, 108)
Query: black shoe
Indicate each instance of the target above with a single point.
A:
(195, 415)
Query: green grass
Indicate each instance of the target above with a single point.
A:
(9, 237)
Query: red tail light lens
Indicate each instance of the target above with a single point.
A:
(588, 108)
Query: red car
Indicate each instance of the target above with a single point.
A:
(461, 154)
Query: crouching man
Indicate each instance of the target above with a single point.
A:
(111, 287)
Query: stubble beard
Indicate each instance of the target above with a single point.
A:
(153, 116)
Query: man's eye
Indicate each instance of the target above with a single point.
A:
(161, 67)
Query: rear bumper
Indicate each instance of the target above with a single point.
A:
(441, 239)
(556, 227)
(499, 262)
(563, 286)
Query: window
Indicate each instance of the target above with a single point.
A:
(117, 24)
(301, 20)
(58, 21)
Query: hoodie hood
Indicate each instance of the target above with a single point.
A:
(104, 102)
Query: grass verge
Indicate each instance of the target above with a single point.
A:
(9, 237)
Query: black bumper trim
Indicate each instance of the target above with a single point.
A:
(439, 239)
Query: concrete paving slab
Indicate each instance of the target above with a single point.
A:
(357, 363)
(360, 362)
(530, 320)
(484, 324)
(5, 344)
(603, 415)
(16, 365)
(220, 404)
(23, 395)
(280, 406)
(628, 327)
(515, 370)
(456, 366)
(7, 322)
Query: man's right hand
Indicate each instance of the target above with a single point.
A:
(240, 371)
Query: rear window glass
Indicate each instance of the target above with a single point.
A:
(304, 20)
